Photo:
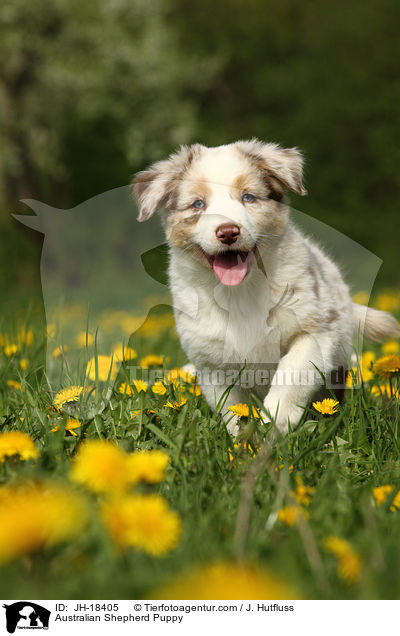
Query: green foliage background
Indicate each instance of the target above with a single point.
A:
(91, 92)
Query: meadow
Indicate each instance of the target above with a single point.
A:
(114, 487)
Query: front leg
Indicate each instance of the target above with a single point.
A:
(297, 378)
(213, 395)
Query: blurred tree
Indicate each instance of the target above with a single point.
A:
(92, 91)
(88, 91)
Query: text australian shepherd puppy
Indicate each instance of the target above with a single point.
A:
(250, 291)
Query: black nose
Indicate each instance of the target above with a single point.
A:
(228, 233)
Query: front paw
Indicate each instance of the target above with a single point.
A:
(233, 426)
(283, 415)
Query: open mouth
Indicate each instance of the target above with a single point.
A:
(231, 266)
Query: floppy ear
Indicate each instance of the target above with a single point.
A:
(155, 187)
(285, 164)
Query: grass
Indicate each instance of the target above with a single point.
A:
(227, 497)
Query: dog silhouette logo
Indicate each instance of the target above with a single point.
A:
(26, 615)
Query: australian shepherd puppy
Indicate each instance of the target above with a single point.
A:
(259, 307)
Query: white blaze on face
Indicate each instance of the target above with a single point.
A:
(218, 168)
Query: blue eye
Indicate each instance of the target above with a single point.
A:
(198, 204)
(248, 198)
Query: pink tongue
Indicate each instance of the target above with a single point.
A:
(230, 267)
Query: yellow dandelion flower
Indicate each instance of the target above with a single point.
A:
(159, 388)
(68, 397)
(281, 466)
(143, 522)
(290, 515)
(152, 360)
(386, 390)
(50, 330)
(217, 581)
(349, 568)
(361, 298)
(101, 466)
(245, 446)
(391, 346)
(349, 562)
(336, 546)
(196, 390)
(25, 336)
(386, 366)
(303, 493)
(327, 406)
(84, 339)
(14, 384)
(243, 410)
(71, 424)
(176, 405)
(180, 374)
(140, 385)
(388, 301)
(58, 352)
(126, 389)
(149, 466)
(134, 414)
(10, 350)
(122, 353)
(381, 493)
(17, 444)
(35, 516)
(107, 368)
(23, 364)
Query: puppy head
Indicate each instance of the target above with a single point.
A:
(222, 203)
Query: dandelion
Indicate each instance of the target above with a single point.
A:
(14, 384)
(18, 445)
(144, 522)
(281, 466)
(84, 339)
(71, 424)
(159, 388)
(381, 493)
(180, 374)
(388, 301)
(349, 568)
(122, 353)
(25, 336)
(196, 390)
(291, 515)
(303, 493)
(107, 368)
(327, 406)
(361, 298)
(349, 562)
(68, 397)
(101, 466)
(23, 364)
(148, 466)
(243, 410)
(176, 405)
(387, 390)
(243, 446)
(10, 350)
(392, 346)
(59, 351)
(387, 366)
(222, 580)
(152, 360)
(127, 389)
(35, 516)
